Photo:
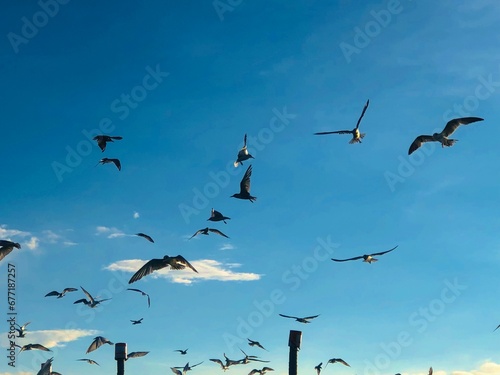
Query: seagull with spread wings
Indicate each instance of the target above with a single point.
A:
(6, 247)
(91, 301)
(21, 331)
(318, 368)
(183, 352)
(145, 236)
(206, 230)
(32, 347)
(337, 360)
(243, 153)
(368, 258)
(217, 216)
(103, 139)
(143, 293)
(256, 343)
(116, 162)
(90, 361)
(245, 187)
(261, 371)
(60, 295)
(187, 368)
(249, 358)
(222, 365)
(176, 263)
(300, 320)
(356, 135)
(134, 322)
(136, 354)
(442, 137)
(97, 343)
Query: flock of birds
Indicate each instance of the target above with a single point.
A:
(180, 263)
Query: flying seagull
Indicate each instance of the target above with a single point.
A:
(300, 320)
(249, 358)
(206, 230)
(102, 139)
(134, 322)
(60, 295)
(222, 365)
(145, 236)
(21, 331)
(318, 368)
(175, 371)
(98, 341)
(45, 368)
(356, 135)
(136, 354)
(176, 263)
(91, 302)
(217, 216)
(143, 293)
(245, 187)
(115, 161)
(91, 361)
(187, 368)
(366, 258)
(442, 137)
(261, 371)
(6, 247)
(255, 343)
(32, 347)
(243, 153)
(183, 352)
(337, 360)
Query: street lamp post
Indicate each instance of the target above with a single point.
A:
(120, 357)
(294, 344)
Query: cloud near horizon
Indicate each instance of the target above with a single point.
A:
(208, 269)
(52, 338)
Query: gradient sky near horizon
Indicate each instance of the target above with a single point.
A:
(182, 82)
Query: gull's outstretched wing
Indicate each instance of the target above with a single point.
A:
(418, 142)
(452, 125)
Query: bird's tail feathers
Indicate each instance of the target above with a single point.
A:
(449, 142)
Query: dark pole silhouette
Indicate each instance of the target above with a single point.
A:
(294, 344)
(120, 357)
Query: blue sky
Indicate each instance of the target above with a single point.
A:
(182, 82)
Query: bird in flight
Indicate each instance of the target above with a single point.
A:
(369, 258)
(186, 367)
(206, 230)
(337, 360)
(261, 371)
(143, 293)
(145, 236)
(46, 368)
(356, 135)
(97, 343)
(21, 331)
(91, 302)
(300, 320)
(217, 216)
(249, 358)
(245, 186)
(243, 153)
(60, 295)
(176, 263)
(136, 354)
(115, 161)
(222, 365)
(103, 139)
(255, 343)
(442, 137)
(91, 361)
(6, 247)
(134, 322)
(183, 352)
(32, 347)
(318, 368)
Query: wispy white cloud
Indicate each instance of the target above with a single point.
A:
(487, 368)
(69, 243)
(136, 215)
(52, 338)
(227, 246)
(33, 243)
(7, 234)
(111, 232)
(208, 269)
(50, 236)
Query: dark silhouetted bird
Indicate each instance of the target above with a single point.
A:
(187, 368)
(143, 293)
(366, 258)
(136, 354)
(60, 295)
(6, 247)
(222, 365)
(134, 322)
(115, 161)
(183, 352)
(249, 358)
(318, 368)
(442, 137)
(32, 347)
(103, 139)
(176, 263)
(145, 236)
(217, 216)
(90, 302)
(245, 186)
(206, 230)
(91, 361)
(243, 153)
(46, 368)
(498, 326)
(97, 343)
(337, 360)
(261, 371)
(255, 343)
(21, 331)
(356, 135)
(300, 320)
